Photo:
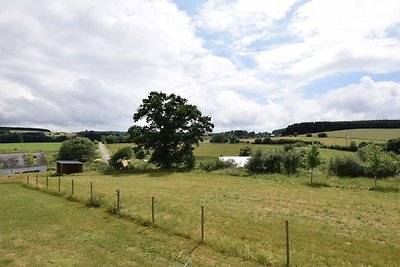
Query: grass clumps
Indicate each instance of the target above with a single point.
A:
(216, 165)
(95, 202)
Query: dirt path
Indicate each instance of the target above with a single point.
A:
(104, 152)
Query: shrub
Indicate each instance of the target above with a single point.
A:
(258, 141)
(353, 146)
(218, 138)
(378, 162)
(78, 148)
(122, 154)
(346, 166)
(96, 201)
(291, 160)
(216, 165)
(265, 163)
(393, 145)
(322, 135)
(139, 153)
(245, 151)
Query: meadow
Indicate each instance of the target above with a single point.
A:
(332, 222)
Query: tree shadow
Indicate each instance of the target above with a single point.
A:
(317, 185)
(385, 189)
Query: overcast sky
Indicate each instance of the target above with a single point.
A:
(249, 64)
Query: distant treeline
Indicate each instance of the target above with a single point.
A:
(23, 129)
(235, 136)
(28, 137)
(324, 126)
(108, 137)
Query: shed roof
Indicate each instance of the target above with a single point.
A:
(69, 162)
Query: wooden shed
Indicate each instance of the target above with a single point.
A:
(69, 166)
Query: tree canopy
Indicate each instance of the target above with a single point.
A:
(78, 148)
(172, 128)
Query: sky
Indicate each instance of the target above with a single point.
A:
(255, 65)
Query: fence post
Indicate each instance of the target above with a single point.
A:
(37, 180)
(27, 179)
(72, 186)
(202, 224)
(287, 243)
(91, 190)
(152, 210)
(59, 184)
(118, 195)
(47, 182)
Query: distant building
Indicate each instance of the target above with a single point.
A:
(69, 166)
(16, 163)
(239, 161)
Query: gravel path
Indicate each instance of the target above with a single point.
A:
(104, 152)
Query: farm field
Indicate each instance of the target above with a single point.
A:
(209, 151)
(44, 230)
(29, 147)
(335, 222)
(357, 135)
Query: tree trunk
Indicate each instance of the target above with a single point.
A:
(311, 175)
(375, 180)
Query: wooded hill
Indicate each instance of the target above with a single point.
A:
(325, 126)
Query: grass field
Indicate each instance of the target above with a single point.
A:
(335, 222)
(209, 151)
(29, 147)
(44, 230)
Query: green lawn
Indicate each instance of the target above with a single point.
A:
(29, 147)
(39, 229)
(335, 222)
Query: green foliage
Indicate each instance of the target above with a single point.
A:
(292, 160)
(265, 162)
(173, 127)
(245, 151)
(312, 159)
(278, 161)
(322, 135)
(218, 138)
(378, 163)
(95, 202)
(139, 153)
(216, 165)
(346, 166)
(393, 145)
(78, 148)
(30, 160)
(122, 154)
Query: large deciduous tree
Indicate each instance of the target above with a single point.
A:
(171, 130)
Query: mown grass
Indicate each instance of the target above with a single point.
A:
(333, 222)
(43, 230)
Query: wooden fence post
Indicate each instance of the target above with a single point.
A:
(27, 179)
(91, 190)
(118, 196)
(47, 182)
(152, 210)
(202, 224)
(59, 184)
(287, 243)
(37, 180)
(72, 186)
